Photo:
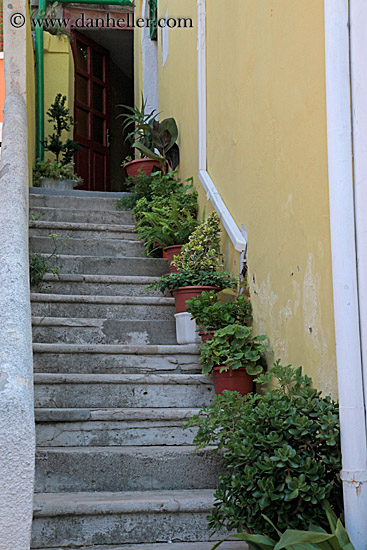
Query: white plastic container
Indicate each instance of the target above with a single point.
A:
(50, 183)
(186, 329)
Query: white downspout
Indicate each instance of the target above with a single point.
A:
(344, 269)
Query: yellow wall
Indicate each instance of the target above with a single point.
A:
(31, 100)
(267, 156)
(59, 75)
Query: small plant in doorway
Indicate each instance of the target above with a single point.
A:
(59, 173)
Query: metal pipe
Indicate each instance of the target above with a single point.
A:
(344, 271)
(40, 79)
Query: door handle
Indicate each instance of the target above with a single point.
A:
(108, 138)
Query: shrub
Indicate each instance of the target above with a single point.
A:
(234, 347)
(209, 314)
(282, 454)
(202, 251)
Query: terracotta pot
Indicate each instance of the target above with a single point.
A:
(164, 254)
(186, 292)
(206, 335)
(147, 166)
(232, 380)
(172, 251)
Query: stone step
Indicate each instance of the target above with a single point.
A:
(100, 285)
(103, 427)
(226, 545)
(109, 265)
(122, 390)
(88, 247)
(70, 520)
(126, 468)
(82, 230)
(83, 359)
(103, 331)
(73, 215)
(73, 202)
(102, 307)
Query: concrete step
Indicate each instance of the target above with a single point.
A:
(72, 520)
(126, 468)
(102, 307)
(89, 247)
(103, 427)
(87, 359)
(73, 215)
(108, 265)
(82, 230)
(99, 285)
(103, 331)
(73, 202)
(122, 390)
(227, 545)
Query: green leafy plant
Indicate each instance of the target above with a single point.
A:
(134, 121)
(165, 226)
(39, 264)
(282, 454)
(315, 538)
(54, 170)
(233, 347)
(210, 314)
(163, 137)
(51, 23)
(185, 277)
(62, 121)
(202, 251)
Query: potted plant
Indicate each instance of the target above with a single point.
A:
(211, 315)
(234, 357)
(197, 265)
(58, 174)
(163, 137)
(134, 121)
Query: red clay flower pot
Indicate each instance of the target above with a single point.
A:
(172, 251)
(232, 380)
(186, 292)
(164, 254)
(206, 335)
(147, 166)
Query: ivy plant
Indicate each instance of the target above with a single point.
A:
(233, 347)
(282, 454)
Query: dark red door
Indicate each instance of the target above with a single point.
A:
(91, 112)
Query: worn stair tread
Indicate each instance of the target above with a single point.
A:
(149, 379)
(77, 226)
(74, 202)
(92, 299)
(227, 545)
(115, 349)
(110, 279)
(127, 502)
(113, 415)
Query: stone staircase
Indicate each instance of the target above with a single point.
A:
(114, 468)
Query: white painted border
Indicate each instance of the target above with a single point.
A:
(234, 233)
(344, 270)
(150, 64)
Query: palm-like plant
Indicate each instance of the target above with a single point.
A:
(134, 120)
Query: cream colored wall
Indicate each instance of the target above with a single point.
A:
(267, 156)
(59, 75)
(31, 99)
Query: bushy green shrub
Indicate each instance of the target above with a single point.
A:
(233, 347)
(209, 314)
(281, 451)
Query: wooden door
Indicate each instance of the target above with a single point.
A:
(92, 112)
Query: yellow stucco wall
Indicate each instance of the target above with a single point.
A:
(31, 99)
(268, 158)
(59, 75)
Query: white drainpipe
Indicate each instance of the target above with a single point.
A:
(344, 268)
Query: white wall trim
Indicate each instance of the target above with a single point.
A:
(149, 50)
(344, 270)
(234, 233)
